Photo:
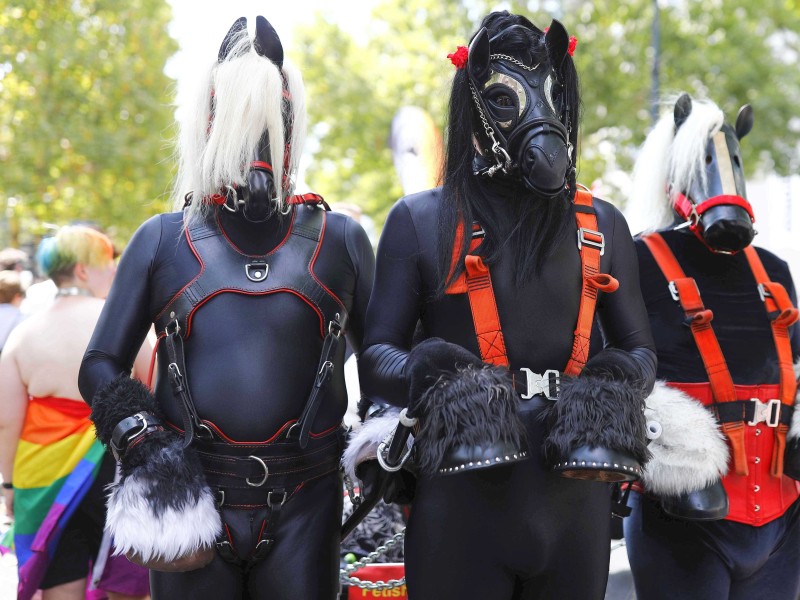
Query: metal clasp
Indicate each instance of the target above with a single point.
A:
(583, 240)
(256, 271)
(540, 384)
(768, 412)
(763, 292)
(266, 473)
(673, 291)
(383, 451)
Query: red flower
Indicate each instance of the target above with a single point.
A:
(459, 57)
(573, 43)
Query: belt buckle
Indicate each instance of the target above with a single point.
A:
(768, 412)
(540, 384)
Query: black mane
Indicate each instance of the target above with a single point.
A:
(539, 222)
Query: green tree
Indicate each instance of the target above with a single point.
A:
(733, 51)
(84, 113)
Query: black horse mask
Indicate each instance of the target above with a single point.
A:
(522, 110)
(257, 199)
(719, 215)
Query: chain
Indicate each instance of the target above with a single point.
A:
(345, 574)
(511, 59)
(501, 157)
(355, 500)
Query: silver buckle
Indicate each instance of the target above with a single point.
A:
(763, 293)
(601, 245)
(768, 412)
(540, 384)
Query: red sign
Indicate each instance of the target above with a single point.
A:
(379, 572)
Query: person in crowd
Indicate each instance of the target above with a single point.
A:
(502, 268)
(11, 294)
(54, 470)
(230, 482)
(720, 519)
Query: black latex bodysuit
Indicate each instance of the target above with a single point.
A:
(251, 363)
(513, 531)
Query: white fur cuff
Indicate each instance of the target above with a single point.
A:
(166, 534)
(363, 442)
(691, 452)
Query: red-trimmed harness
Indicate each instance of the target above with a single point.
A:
(730, 411)
(476, 282)
(287, 268)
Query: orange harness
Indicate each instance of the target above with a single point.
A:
(476, 282)
(781, 314)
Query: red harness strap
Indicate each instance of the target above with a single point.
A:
(476, 282)
(781, 314)
(684, 290)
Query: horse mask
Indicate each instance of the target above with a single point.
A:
(523, 111)
(257, 199)
(718, 213)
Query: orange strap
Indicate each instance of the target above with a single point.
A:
(685, 291)
(591, 245)
(781, 313)
(476, 282)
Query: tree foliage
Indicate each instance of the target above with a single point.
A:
(84, 113)
(732, 51)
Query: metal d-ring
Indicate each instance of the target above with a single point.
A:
(266, 473)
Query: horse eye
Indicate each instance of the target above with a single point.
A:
(504, 101)
(708, 159)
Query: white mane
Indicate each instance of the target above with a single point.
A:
(247, 92)
(669, 163)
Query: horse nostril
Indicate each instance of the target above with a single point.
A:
(530, 156)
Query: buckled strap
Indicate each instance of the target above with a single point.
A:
(258, 473)
(301, 429)
(753, 411)
(130, 429)
(529, 384)
(176, 371)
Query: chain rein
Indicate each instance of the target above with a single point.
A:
(345, 574)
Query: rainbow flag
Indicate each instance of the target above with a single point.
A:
(57, 461)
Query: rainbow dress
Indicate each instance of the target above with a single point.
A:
(57, 461)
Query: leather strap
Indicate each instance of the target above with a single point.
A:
(591, 245)
(781, 313)
(685, 291)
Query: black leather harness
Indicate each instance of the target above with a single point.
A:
(288, 268)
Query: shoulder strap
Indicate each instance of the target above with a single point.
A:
(781, 314)
(684, 290)
(591, 245)
(476, 282)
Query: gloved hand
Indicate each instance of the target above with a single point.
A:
(398, 487)
(431, 358)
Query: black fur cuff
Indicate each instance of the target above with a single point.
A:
(473, 407)
(118, 399)
(598, 413)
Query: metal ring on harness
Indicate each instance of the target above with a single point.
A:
(383, 448)
(266, 473)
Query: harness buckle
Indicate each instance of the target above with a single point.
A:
(768, 412)
(257, 270)
(271, 503)
(592, 243)
(763, 293)
(540, 384)
(324, 373)
(266, 473)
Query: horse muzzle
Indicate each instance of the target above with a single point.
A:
(727, 228)
(258, 195)
(542, 153)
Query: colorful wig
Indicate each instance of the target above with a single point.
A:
(72, 245)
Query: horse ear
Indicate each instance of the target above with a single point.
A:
(557, 41)
(267, 42)
(478, 57)
(744, 121)
(683, 108)
(227, 43)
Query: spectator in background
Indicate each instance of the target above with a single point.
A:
(12, 259)
(11, 293)
(47, 442)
